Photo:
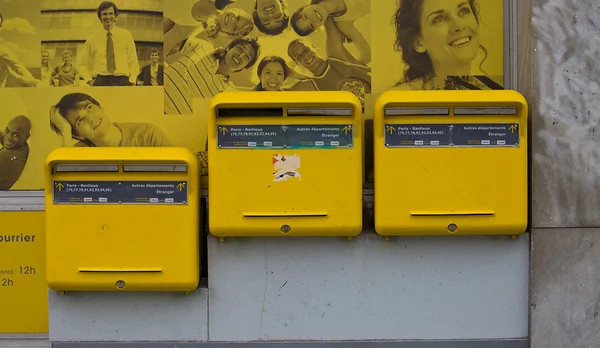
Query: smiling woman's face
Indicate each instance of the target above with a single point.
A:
(449, 32)
(272, 76)
(67, 57)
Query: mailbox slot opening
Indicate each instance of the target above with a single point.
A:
(115, 168)
(496, 110)
(279, 112)
(249, 112)
(284, 214)
(319, 111)
(119, 270)
(155, 168)
(452, 213)
(415, 111)
(85, 168)
(442, 111)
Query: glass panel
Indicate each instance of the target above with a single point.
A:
(54, 20)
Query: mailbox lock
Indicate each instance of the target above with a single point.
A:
(285, 229)
(452, 228)
(120, 284)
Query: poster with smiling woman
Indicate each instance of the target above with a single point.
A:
(434, 45)
(438, 44)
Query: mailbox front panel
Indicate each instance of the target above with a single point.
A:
(292, 167)
(126, 222)
(450, 162)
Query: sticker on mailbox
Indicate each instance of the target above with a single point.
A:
(120, 192)
(251, 136)
(452, 135)
(400, 135)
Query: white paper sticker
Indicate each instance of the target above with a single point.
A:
(286, 167)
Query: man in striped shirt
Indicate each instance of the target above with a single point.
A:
(200, 71)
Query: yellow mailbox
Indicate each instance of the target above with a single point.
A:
(450, 162)
(122, 219)
(285, 164)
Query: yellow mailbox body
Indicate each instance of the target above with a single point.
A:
(122, 219)
(285, 164)
(450, 162)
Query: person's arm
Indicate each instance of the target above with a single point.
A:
(203, 9)
(158, 138)
(85, 62)
(11, 167)
(16, 69)
(293, 74)
(66, 131)
(168, 24)
(240, 88)
(132, 59)
(304, 85)
(176, 34)
(334, 45)
(54, 77)
(348, 29)
(77, 77)
(140, 77)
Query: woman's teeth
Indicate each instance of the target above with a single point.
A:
(461, 41)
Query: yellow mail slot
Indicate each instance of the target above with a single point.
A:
(450, 162)
(122, 219)
(285, 164)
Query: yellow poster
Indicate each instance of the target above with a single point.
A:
(142, 72)
(23, 290)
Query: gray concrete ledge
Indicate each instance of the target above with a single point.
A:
(509, 343)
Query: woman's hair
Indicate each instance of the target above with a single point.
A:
(407, 22)
(221, 4)
(270, 59)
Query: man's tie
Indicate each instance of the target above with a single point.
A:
(110, 54)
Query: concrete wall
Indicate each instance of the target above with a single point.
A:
(323, 289)
(566, 174)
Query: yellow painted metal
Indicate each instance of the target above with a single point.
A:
(23, 290)
(470, 186)
(140, 246)
(250, 192)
